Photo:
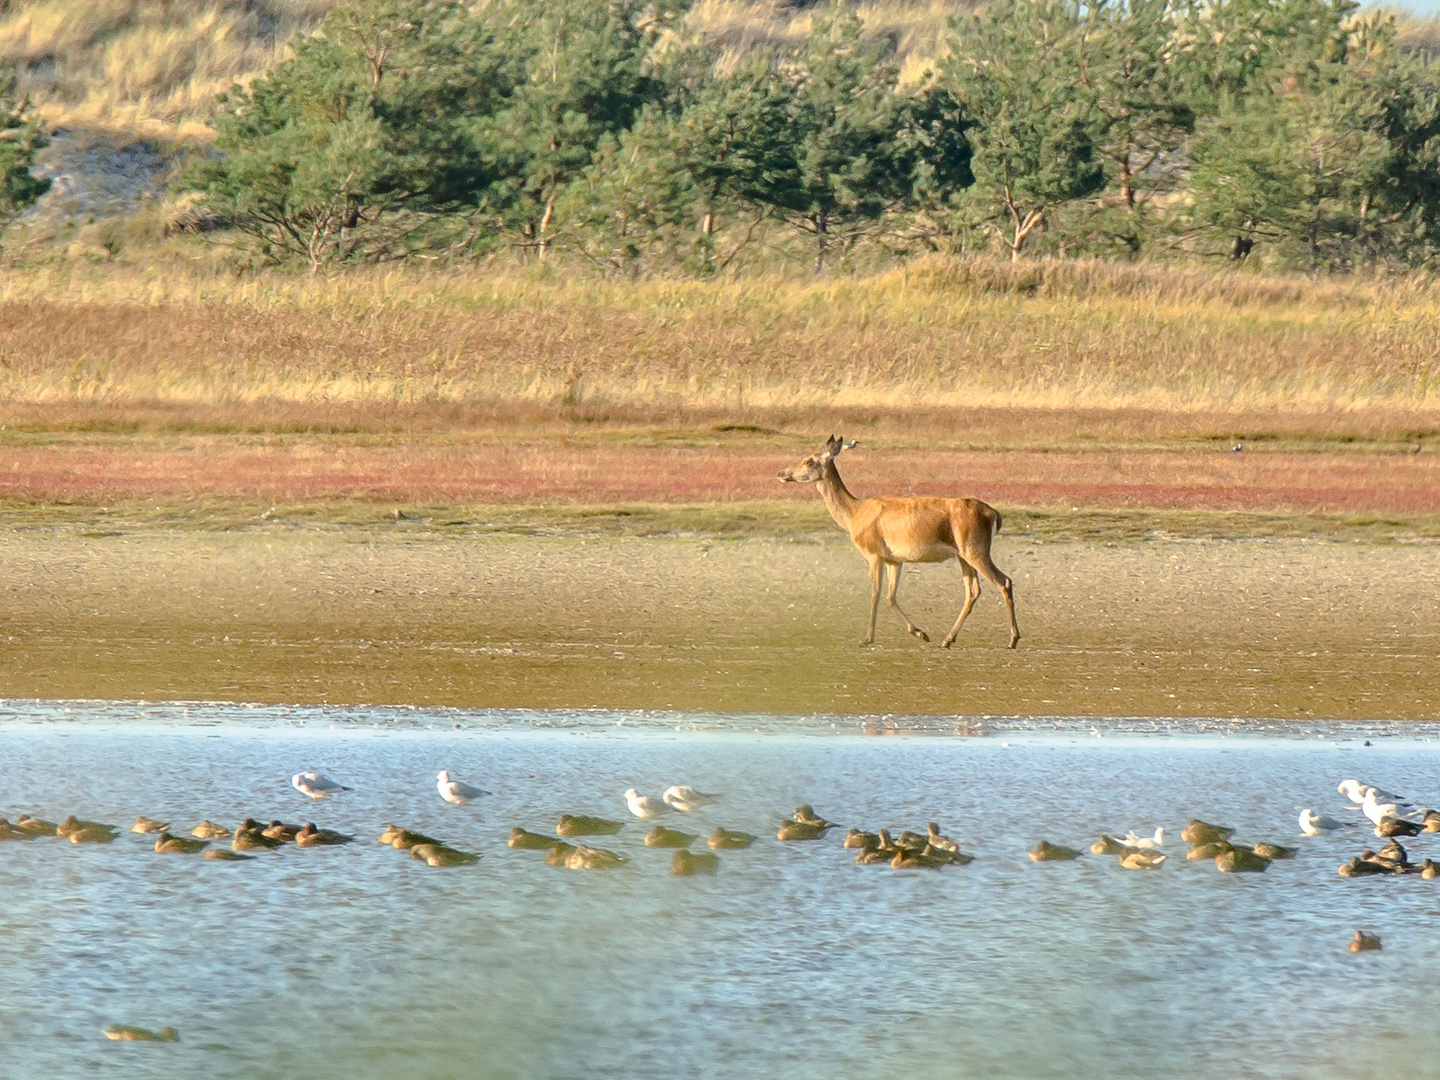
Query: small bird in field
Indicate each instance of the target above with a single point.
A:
(316, 785)
(454, 792)
(686, 799)
(645, 806)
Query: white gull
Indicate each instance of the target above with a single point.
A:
(316, 785)
(687, 799)
(453, 791)
(1313, 824)
(1150, 842)
(644, 806)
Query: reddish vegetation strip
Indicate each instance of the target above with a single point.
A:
(603, 473)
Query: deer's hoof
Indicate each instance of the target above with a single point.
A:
(947, 643)
(1015, 641)
(920, 634)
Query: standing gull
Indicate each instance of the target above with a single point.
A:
(316, 785)
(453, 791)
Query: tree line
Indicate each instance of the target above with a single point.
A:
(436, 129)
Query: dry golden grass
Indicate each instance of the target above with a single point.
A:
(1182, 352)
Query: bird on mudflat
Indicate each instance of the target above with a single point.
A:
(453, 791)
(316, 785)
(645, 806)
(686, 799)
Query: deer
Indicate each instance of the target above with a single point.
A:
(891, 530)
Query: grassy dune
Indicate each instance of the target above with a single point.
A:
(1083, 349)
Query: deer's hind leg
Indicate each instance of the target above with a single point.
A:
(980, 559)
(877, 580)
(972, 593)
(895, 570)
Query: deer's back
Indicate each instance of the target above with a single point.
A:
(919, 529)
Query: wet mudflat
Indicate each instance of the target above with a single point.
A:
(1259, 628)
(792, 961)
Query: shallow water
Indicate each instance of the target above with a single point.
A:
(791, 962)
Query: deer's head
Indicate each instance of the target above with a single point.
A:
(812, 469)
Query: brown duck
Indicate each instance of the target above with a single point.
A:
(559, 853)
(310, 836)
(1202, 832)
(440, 855)
(662, 837)
(686, 863)
(208, 830)
(521, 840)
(1363, 942)
(220, 854)
(165, 844)
(149, 825)
(727, 840)
(1241, 861)
(588, 858)
(584, 825)
(1045, 851)
(36, 826)
(1209, 850)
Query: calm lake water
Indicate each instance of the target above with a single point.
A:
(791, 962)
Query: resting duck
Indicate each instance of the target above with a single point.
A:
(937, 841)
(1394, 826)
(1241, 861)
(802, 830)
(1202, 832)
(440, 855)
(584, 825)
(149, 825)
(1273, 851)
(588, 858)
(310, 836)
(559, 854)
(12, 832)
(88, 831)
(1360, 866)
(278, 830)
(165, 844)
(726, 839)
(36, 826)
(1429, 869)
(250, 837)
(857, 839)
(208, 830)
(126, 1033)
(686, 863)
(1142, 859)
(662, 837)
(1392, 855)
(909, 859)
(1209, 851)
(404, 840)
(521, 840)
(1045, 851)
(805, 814)
(1108, 845)
(1363, 942)
(219, 854)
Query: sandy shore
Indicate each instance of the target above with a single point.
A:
(1274, 628)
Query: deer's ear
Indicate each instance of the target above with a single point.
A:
(834, 445)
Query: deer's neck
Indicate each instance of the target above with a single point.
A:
(838, 499)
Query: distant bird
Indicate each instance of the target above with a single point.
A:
(1394, 826)
(1147, 842)
(1236, 448)
(686, 799)
(645, 806)
(453, 791)
(1240, 861)
(588, 858)
(310, 836)
(802, 830)
(1272, 852)
(126, 1033)
(1363, 942)
(1209, 850)
(149, 825)
(521, 840)
(1313, 824)
(938, 841)
(222, 855)
(660, 836)
(208, 830)
(585, 825)
(440, 855)
(1108, 845)
(316, 785)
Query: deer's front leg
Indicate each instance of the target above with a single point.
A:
(877, 580)
(895, 570)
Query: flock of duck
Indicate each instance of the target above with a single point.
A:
(1389, 814)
